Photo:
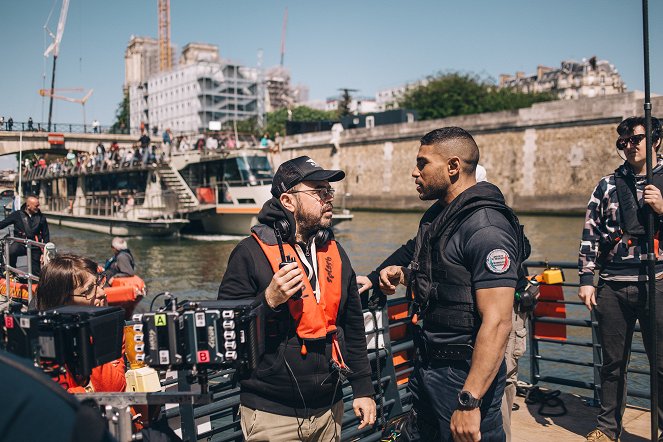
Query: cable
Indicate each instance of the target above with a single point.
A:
(285, 346)
(299, 425)
(158, 296)
(331, 407)
(548, 399)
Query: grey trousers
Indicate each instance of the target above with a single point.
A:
(515, 348)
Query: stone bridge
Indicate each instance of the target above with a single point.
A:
(37, 142)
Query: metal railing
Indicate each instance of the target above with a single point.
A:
(5, 243)
(536, 357)
(75, 128)
(67, 169)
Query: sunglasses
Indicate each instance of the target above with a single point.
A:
(90, 291)
(324, 193)
(623, 142)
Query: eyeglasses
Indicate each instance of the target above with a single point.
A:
(324, 193)
(90, 292)
(623, 142)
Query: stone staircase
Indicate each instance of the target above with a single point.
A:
(185, 198)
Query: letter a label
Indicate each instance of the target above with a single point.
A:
(160, 320)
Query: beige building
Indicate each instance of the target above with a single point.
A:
(588, 78)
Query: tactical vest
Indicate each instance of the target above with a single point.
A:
(632, 213)
(442, 289)
(314, 319)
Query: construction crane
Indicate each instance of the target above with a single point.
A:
(283, 31)
(54, 48)
(165, 56)
(52, 94)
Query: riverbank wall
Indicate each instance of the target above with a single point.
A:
(546, 158)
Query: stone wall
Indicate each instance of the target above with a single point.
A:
(546, 158)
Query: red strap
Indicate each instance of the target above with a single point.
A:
(336, 353)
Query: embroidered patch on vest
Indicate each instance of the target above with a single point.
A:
(498, 261)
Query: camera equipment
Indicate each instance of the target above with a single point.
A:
(205, 334)
(526, 299)
(78, 337)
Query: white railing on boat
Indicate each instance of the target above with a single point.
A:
(137, 206)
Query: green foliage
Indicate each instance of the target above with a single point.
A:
(275, 121)
(249, 126)
(454, 93)
(121, 124)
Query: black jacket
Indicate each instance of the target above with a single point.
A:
(38, 225)
(284, 376)
(403, 255)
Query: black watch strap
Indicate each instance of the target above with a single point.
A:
(467, 402)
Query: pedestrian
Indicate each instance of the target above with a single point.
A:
(101, 152)
(465, 268)
(211, 143)
(168, 142)
(10, 124)
(2, 123)
(95, 126)
(613, 242)
(30, 124)
(264, 141)
(321, 304)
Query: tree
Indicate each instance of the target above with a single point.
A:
(121, 124)
(344, 104)
(275, 121)
(454, 93)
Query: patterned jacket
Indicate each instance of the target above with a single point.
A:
(617, 255)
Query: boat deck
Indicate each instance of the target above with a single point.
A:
(528, 425)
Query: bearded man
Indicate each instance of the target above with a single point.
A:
(314, 335)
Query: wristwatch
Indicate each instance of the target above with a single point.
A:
(467, 402)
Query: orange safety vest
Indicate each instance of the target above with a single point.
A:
(315, 319)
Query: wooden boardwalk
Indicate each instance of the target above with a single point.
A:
(528, 425)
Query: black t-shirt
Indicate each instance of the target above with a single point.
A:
(486, 245)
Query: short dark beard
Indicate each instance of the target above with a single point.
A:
(307, 225)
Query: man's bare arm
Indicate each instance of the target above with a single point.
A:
(495, 306)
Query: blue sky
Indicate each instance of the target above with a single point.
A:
(366, 45)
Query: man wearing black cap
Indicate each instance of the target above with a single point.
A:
(314, 335)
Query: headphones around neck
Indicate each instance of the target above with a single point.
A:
(322, 236)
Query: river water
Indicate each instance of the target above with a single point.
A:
(192, 268)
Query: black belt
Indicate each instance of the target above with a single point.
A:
(447, 352)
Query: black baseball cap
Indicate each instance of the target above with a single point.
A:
(299, 169)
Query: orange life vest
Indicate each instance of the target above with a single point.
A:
(315, 319)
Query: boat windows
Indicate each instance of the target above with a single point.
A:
(133, 181)
(254, 168)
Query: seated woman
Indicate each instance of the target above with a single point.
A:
(73, 280)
